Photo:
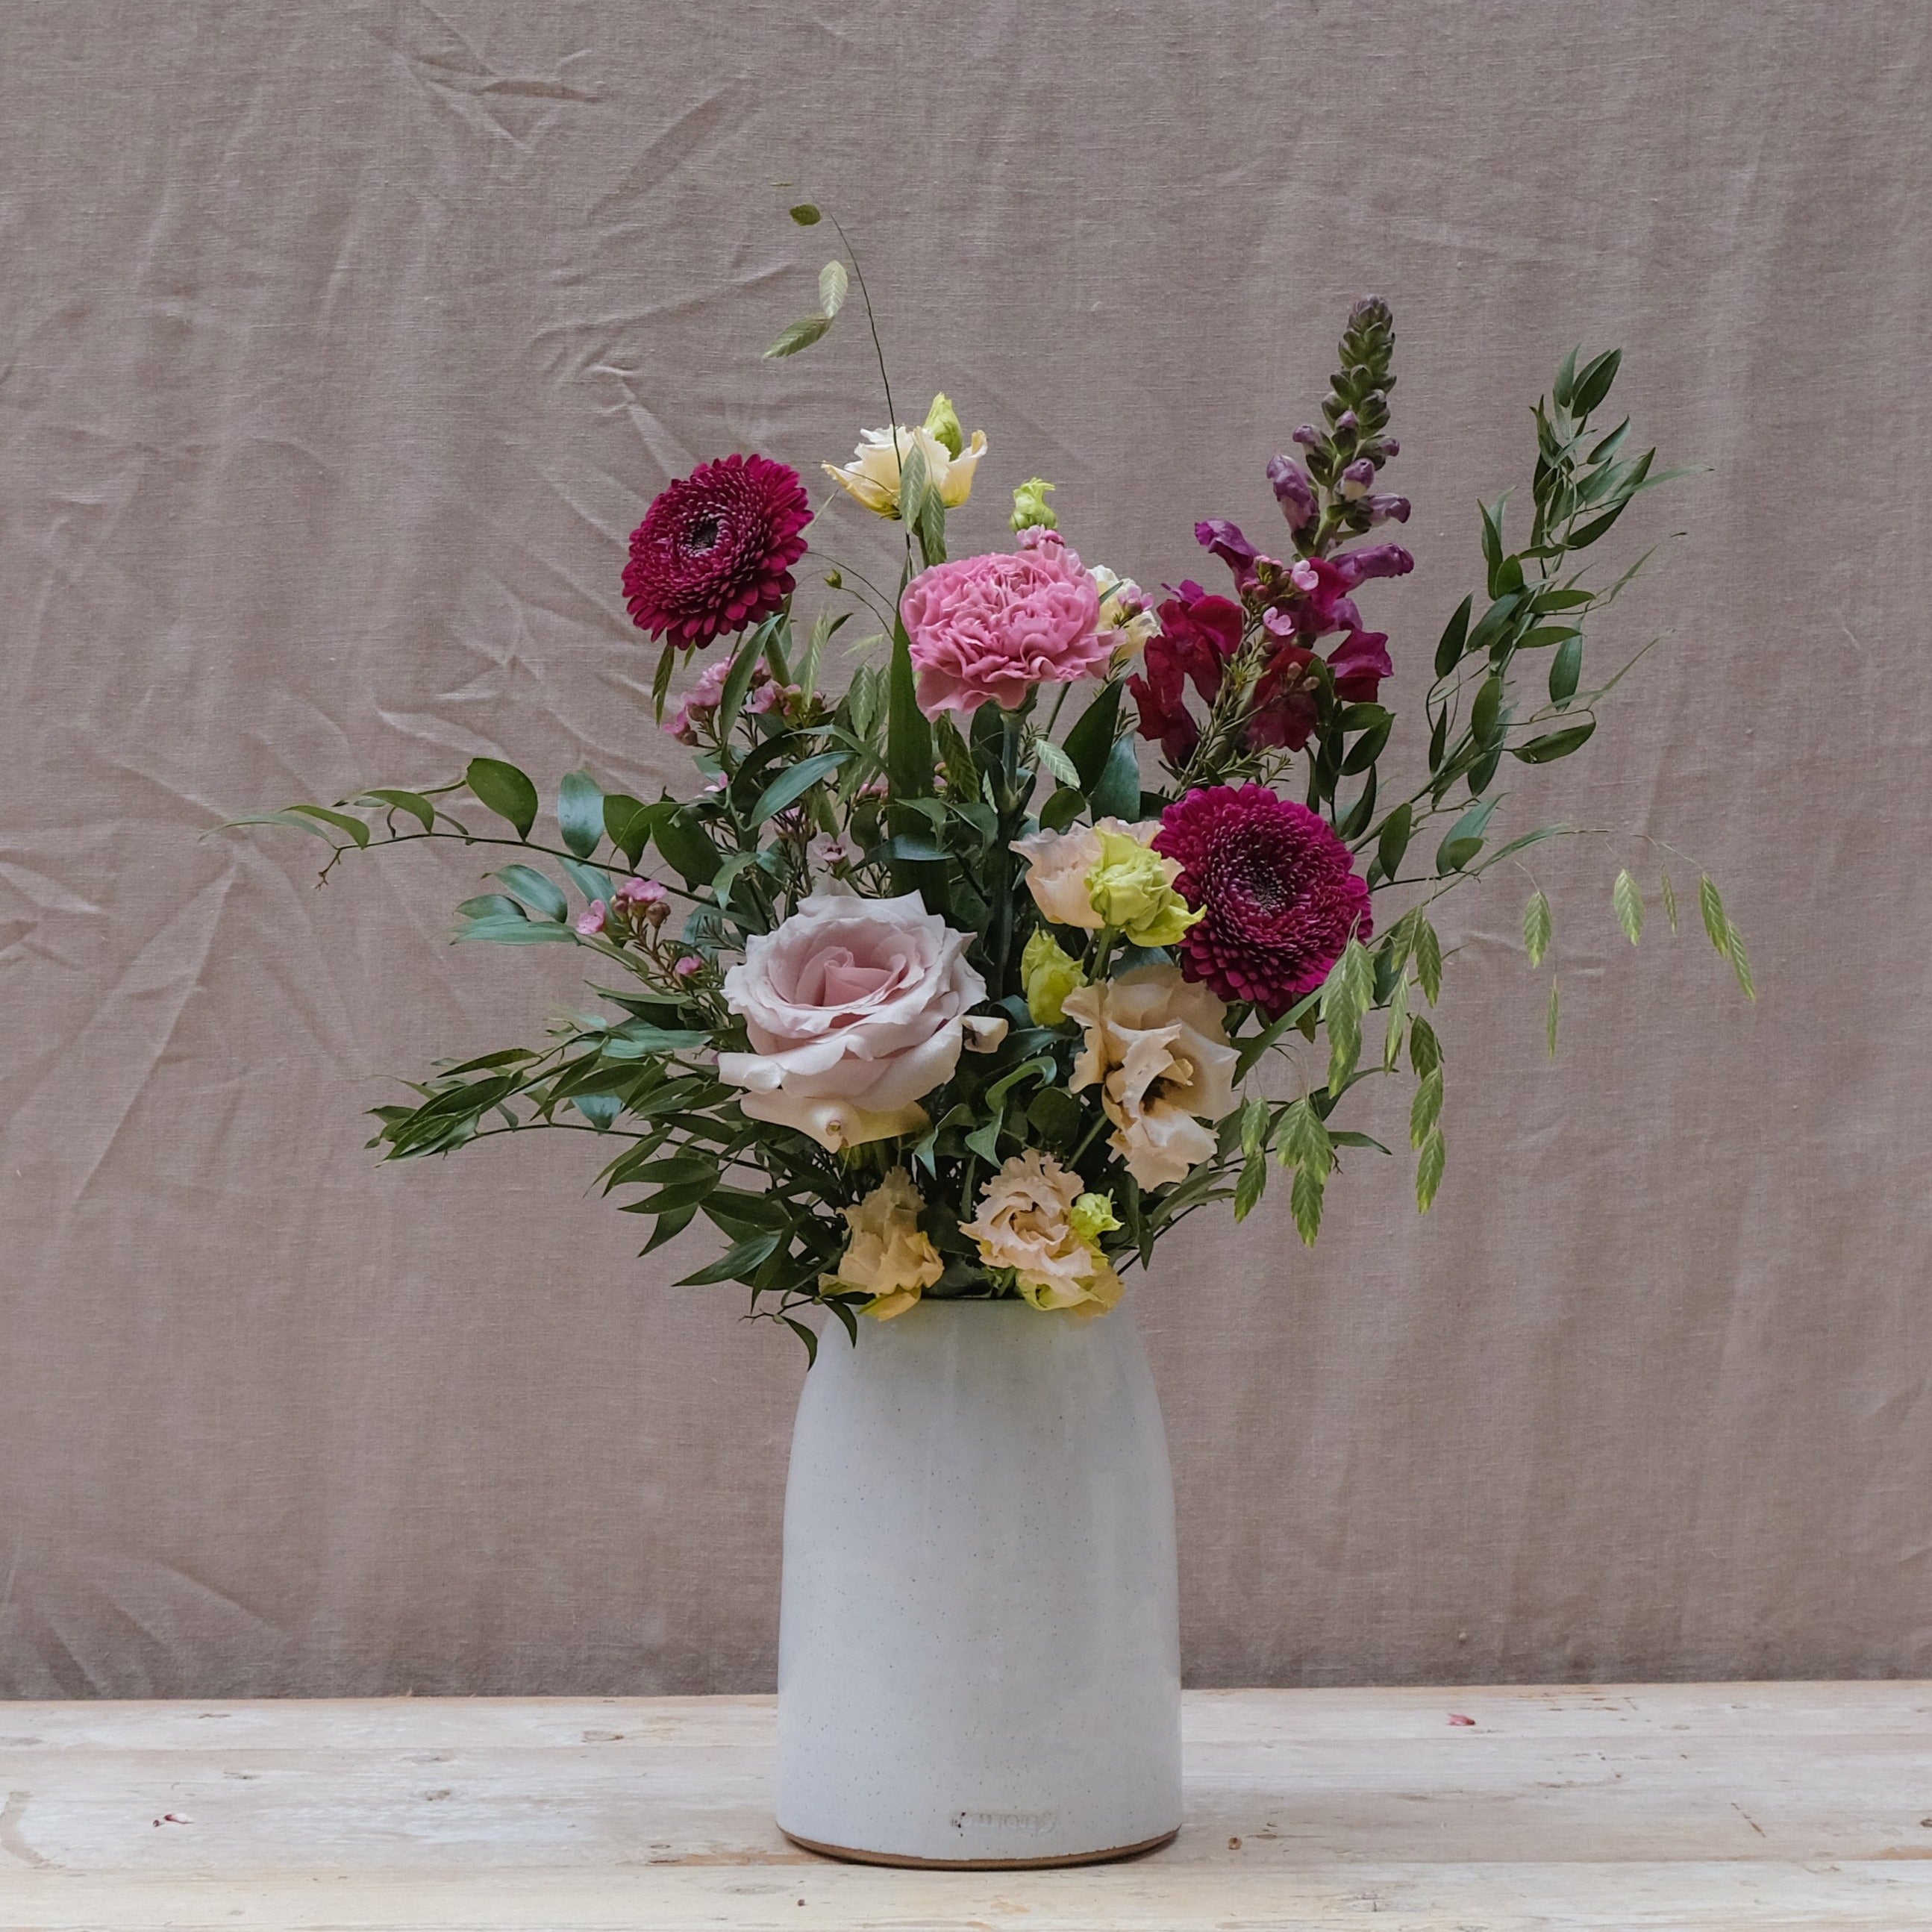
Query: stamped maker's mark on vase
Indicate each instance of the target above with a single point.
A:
(1012, 1824)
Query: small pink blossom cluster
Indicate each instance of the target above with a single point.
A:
(636, 902)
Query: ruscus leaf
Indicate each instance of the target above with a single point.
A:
(506, 790)
(580, 812)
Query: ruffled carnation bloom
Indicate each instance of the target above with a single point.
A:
(714, 550)
(1031, 1220)
(1279, 893)
(856, 1009)
(872, 477)
(1157, 1049)
(888, 1257)
(993, 627)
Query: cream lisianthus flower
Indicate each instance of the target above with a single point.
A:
(888, 1257)
(872, 477)
(1158, 1049)
(1058, 863)
(1107, 873)
(1126, 614)
(1034, 1219)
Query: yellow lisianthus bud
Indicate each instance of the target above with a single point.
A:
(1031, 511)
(1048, 972)
(1131, 888)
(942, 420)
(1091, 1217)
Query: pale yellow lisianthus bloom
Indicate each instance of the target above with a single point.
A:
(872, 477)
(1131, 888)
(1048, 973)
(1158, 1049)
(1034, 1219)
(888, 1257)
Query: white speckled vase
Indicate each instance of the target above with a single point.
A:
(979, 1656)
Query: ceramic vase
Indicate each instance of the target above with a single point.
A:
(979, 1660)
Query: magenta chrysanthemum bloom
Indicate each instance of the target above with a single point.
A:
(1279, 892)
(994, 626)
(714, 552)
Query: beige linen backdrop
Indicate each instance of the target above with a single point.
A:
(344, 345)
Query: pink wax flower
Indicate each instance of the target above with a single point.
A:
(592, 922)
(993, 627)
(688, 965)
(641, 892)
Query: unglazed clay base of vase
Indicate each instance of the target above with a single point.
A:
(983, 1864)
(979, 1658)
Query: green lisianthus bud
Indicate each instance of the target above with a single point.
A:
(1031, 510)
(1131, 888)
(942, 421)
(1048, 973)
(1091, 1217)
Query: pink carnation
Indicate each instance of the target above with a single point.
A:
(994, 626)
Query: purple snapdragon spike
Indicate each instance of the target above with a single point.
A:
(1292, 491)
(1384, 509)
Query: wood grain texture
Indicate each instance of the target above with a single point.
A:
(1758, 1806)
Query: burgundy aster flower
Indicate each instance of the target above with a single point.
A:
(714, 551)
(1279, 891)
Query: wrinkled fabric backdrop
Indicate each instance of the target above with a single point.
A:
(344, 345)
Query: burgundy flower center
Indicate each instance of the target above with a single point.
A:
(702, 535)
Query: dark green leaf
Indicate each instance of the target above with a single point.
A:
(593, 881)
(1394, 840)
(1554, 745)
(1062, 809)
(491, 905)
(1593, 381)
(341, 820)
(413, 802)
(806, 215)
(1091, 740)
(1483, 712)
(519, 931)
(737, 1261)
(1118, 793)
(1565, 668)
(686, 847)
(580, 812)
(1455, 635)
(541, 894)
(790, 786)
(601, 1110)
(1464, 841)
(1367, 748)
(508, 792)
(627, 823)
(1565, 385)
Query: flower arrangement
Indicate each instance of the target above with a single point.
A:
(928, 989)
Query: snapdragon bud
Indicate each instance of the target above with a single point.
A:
(1356, 478)
(1308, 436)
(1383, 509)
(1292, 491)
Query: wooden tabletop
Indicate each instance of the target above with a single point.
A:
(1783, 1805)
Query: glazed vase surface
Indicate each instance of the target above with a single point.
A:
(978, 1657)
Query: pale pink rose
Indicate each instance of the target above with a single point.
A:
(1157, 1048)
(857, 1009)
(1058, 863)
(994, 626)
